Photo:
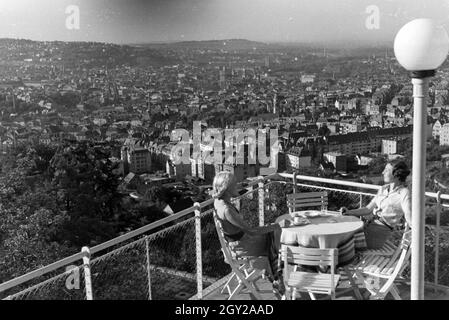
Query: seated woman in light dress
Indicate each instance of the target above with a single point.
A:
(244, 240)
(388, 208)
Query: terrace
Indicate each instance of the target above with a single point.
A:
(179, 257)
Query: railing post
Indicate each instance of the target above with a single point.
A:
(294, 182)
(361, 201)
(261, 201)
(147, 247)
(87, 277)
(199, 263)
(437, 237)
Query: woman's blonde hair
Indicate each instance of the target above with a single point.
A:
(221, 183)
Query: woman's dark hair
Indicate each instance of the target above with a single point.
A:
(400, 169)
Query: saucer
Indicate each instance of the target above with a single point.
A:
(301, 222)
(310, 214)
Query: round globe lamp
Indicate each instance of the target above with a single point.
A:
(420, 46)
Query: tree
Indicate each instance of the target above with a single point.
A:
(434, 151)
(276, 200)
(155, 194)
(55, 200)
(83, 175)
(377, 165)
(31, 223)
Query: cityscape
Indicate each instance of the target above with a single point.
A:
(335, 112)
(89, 141)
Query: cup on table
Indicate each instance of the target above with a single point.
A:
(285, 223)
(297, 220)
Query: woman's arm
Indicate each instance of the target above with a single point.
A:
(406, 205)
(233, 217)
(362, 211)
(359, 212)
(365, 211)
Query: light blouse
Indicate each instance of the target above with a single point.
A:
(390, 206)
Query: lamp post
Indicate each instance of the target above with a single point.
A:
(421, 46)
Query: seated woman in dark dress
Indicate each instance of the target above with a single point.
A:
(244, 240)
(388, 208)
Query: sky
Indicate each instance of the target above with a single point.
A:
(144, 21)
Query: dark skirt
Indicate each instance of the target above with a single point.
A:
(376, 235)
(260, 245)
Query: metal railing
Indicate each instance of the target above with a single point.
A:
(153, 247)
(183, 260)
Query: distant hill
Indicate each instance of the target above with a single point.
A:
(226, 44)
(88, 54)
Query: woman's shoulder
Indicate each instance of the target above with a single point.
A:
(219, 203)
(224, 210)
(221, 206)
(383, 189)
(405, 191)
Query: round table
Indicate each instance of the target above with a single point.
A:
(325, 232)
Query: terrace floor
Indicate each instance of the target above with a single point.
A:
(342, 293)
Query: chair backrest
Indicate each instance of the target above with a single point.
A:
(238, 266)
(310, 257)
(402, 252)
(223, 242)
(399, 260)
(406, 236)
(296, 201)
(404, 246)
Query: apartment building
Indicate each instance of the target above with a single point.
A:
(136, 158)
(364, 142)
(444, 135)
(297, 157)
(436, 129)
(394, 145)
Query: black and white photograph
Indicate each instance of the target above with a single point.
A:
(224, 155)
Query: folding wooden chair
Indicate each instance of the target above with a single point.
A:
(312, 283)
(348, 249)
(379, 272)
(389, 248)
(244, 271)
(296, 201)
